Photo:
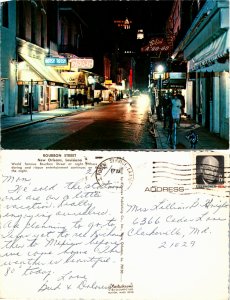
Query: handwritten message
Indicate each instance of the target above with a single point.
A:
(57, 225)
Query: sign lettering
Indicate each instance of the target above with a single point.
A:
(82, 63)
(156, 45)
(56, 61)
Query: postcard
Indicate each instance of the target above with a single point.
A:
(114, 150)
(114, 225)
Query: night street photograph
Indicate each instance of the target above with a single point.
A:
(115, 75)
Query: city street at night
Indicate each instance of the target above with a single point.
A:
(75, 53)
(114, 126)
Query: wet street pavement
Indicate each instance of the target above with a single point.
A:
(114, 126)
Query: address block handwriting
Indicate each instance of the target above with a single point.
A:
(50, 230)
(176, 223)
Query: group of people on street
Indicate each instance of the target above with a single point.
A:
(173, 108)
(77, 99)
(115, 96)
(169, 110)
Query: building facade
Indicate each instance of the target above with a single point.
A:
(8, 58)
(37, 54)
(205, 48)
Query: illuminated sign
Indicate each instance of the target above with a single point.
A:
(176, 75)
(81, 63)
(22, 82)
(123, 23)
(156, 45)
(130, 78)
(63, 68)
(72, 86)
(108, 82)
(74, 78)
(157, 75)
(56, 61)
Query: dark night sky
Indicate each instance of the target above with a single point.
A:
(99, 16)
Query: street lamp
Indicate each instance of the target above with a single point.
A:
(91, 80)
(160, 70)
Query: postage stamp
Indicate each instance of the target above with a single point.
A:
(210, 171)
(115, 174)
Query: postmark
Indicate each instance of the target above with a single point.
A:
(115, 174)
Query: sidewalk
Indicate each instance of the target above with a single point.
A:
(22, 120)
(9, 123)
(206, 139)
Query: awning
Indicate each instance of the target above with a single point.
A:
(174, 84)
(208, 56)
(75, 79)
(99, 86)
(42, 72)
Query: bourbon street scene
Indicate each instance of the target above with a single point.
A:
(115, 75)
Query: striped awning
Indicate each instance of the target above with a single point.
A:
(209, 55)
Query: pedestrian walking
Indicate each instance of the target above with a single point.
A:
(65, 101)
(159, 108)
(100, 97)
(74, 100)
(167, 109)
(170, 129)
(176, 108)
(181, 97)
(110, 97)
(152, 101)
(79, 98)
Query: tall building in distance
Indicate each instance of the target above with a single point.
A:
(124, 49)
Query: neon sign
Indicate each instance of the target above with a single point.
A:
(56, 61)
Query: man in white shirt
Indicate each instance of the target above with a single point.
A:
(176, 109)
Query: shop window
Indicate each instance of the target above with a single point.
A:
(5, 14)
(53, 95)
(26, 96)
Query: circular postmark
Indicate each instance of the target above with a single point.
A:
(114, 174)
